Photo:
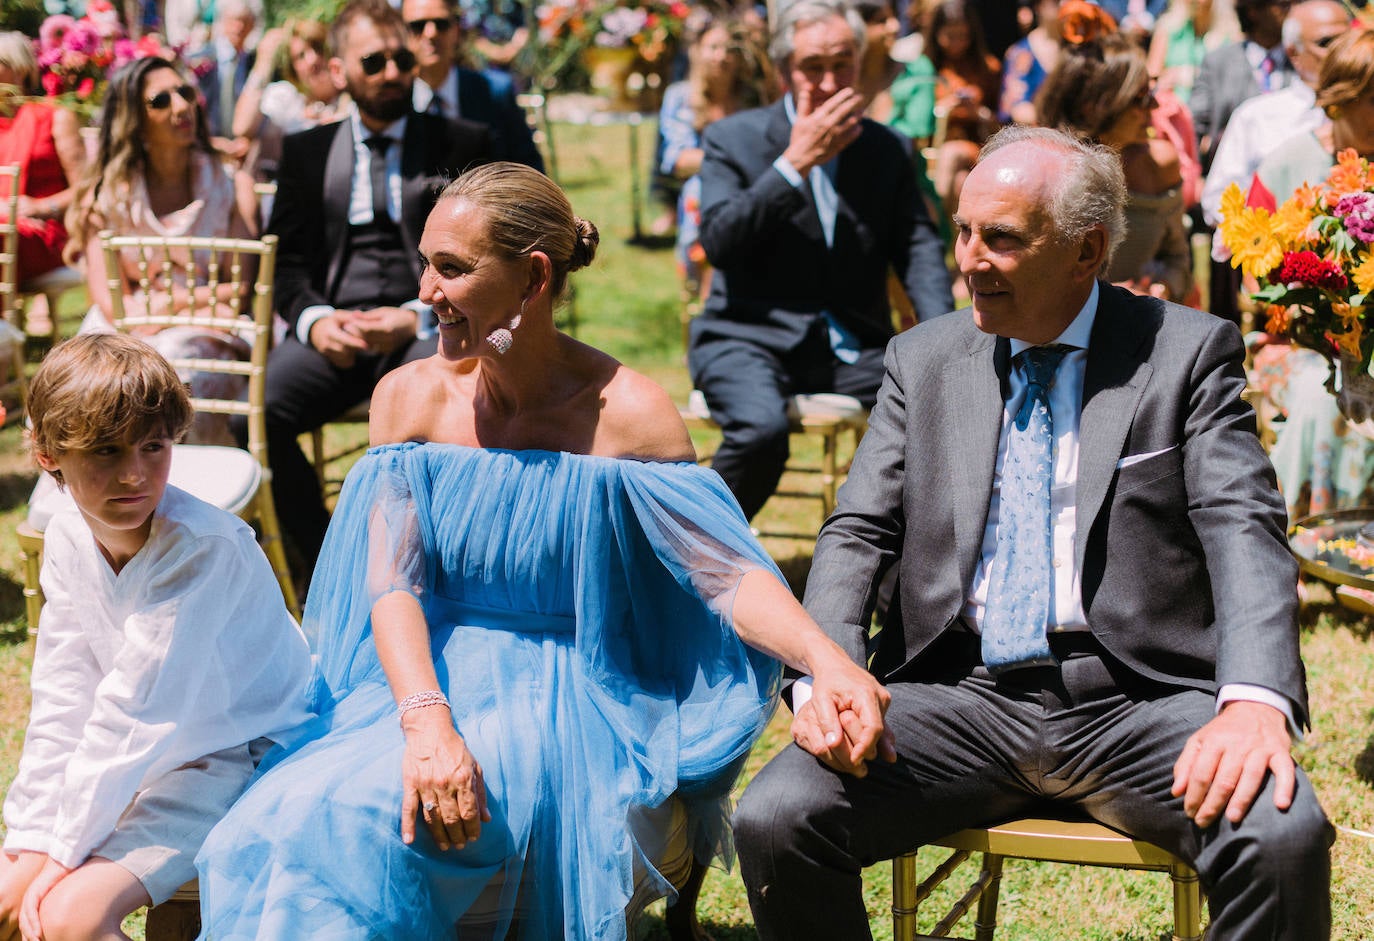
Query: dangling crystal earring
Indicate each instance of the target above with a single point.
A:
(501, 338)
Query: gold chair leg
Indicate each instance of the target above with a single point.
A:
(1187, 903)
(317, 454)
(904, 900)
(31, 551)
(986, 922)
(830, 444)
(272, 545)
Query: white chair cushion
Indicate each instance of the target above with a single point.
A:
(224, 477)
(813, 405)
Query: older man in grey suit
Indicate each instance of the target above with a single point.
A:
(1097, 607)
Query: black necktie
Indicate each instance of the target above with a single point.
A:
(378, 145)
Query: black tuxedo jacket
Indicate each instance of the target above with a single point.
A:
(774, 274)
(1186, 575)
(314, 183)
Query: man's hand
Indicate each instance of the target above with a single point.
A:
(842, 723)
(1224, 763)
(819, 135)
(385, 329)
(338, 339)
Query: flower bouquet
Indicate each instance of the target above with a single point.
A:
(570, 31)
(1313, 261)
(76, 56)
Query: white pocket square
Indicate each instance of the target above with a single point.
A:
(1137, 458)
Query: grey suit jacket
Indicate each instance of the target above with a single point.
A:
(1186, 576)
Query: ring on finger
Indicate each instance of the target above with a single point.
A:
(429, 808)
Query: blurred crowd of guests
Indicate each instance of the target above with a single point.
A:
(1194, 95)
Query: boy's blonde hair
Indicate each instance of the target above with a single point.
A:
(98, 388)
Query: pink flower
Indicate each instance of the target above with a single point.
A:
(83, 90)
(53, 29)
(52, 83)
(82, 37)
(1357, 210)
(125, 50)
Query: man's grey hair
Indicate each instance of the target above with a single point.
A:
(1292, 24)
(1091, 193)
(224, 9)
(801, 13)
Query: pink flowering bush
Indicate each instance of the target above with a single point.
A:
(76, 57)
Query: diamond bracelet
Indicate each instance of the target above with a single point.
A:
(421, 700)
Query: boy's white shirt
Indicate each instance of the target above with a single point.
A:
(187, 651)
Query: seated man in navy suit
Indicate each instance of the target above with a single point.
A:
(806, 207)
(444, 87)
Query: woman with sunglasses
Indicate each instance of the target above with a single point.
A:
(156, 174)
(305, 97)
(1102, 91)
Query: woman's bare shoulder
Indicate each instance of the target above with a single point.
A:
(639, 420)
(402, 400)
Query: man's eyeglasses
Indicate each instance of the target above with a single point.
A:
(376, 61)
(441, 24)
(163, 99)
(1325, 41)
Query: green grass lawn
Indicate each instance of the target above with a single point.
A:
(627, 302)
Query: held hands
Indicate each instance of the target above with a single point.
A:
(441, 781)
(338, 339)
(819, 135)
(1224, 763)
(842, 723)
(50, 875)
(385, 329)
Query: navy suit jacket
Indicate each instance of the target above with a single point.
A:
(1186, 574)
(774, 273)
(489, 97)
(314, 185)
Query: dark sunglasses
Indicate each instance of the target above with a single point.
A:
(1326, 41)
(163, 99)
(441, 24)
(375, 62)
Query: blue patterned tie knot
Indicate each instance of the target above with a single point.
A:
(1018, 607)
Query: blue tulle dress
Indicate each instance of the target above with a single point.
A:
(579, 610)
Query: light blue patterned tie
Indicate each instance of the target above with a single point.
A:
(1018, 608)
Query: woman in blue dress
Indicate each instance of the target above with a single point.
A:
(546, 639)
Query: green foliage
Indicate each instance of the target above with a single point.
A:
(22, 15)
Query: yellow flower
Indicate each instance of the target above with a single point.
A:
(1350, 316)
(1254, 248)
(1363, 276)
(1290, 223)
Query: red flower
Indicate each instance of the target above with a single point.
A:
(52, 83)
(1308, 268)
(83, 91)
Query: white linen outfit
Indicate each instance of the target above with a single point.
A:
(151, 690)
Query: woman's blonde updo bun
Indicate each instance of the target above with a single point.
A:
(587, 241)
(527, 212)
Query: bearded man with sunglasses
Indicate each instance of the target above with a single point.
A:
(437, 37)
(352, 199)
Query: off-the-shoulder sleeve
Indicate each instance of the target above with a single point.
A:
(382, 517)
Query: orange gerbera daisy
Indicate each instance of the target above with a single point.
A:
(1278, 319)
(1351, 174)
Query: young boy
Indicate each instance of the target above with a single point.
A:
(165, 659)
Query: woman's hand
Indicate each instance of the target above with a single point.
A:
(50, 875)
(441, 781)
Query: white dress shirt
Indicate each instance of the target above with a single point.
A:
(1066, 597)
(187, 651)
(447, 93)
